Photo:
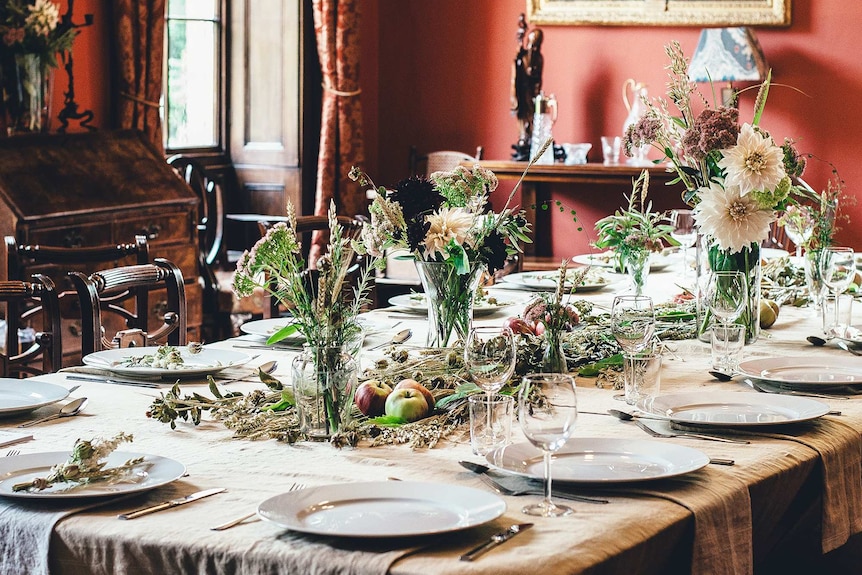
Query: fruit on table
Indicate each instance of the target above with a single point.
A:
(415, 385)
(519, 326)
(768, 313)
(370, 397)
(407, 403)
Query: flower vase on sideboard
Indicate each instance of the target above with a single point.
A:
(27, 86)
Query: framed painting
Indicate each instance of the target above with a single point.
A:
(660, 12)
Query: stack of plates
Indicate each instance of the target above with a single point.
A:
(822, 374)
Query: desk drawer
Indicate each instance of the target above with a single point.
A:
(72, 236)
(159, 228)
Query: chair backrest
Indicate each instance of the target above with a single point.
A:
(305, 227)
(22, 260)
(111, 290)
(47, 342)
(439, 161)
(777, 237)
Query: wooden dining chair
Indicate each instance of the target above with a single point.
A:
(22, 260)
(305, 227)
(37, 298)
(124, 291)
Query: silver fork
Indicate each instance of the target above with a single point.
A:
(656, 433)
(238, 520)
(503, 490)
(13, 452)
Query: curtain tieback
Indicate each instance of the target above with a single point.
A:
(342, 93)
(139, 100)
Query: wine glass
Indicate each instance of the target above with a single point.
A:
(489, 356)
(633, 326)
(547, 411)
(684, 232)
(726, 294)
(838, 269)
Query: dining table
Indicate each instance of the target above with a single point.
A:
(791, 501)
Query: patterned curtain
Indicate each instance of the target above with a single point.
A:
(336, 26)
(139, 27)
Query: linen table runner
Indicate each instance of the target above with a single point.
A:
(840, 450)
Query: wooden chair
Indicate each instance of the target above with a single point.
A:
(216, 276)
(777, 238)
(111, 290)
(305, 227)
(54, 261)
(37, 298)
(439, 161)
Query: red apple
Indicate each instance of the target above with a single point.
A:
(413, 384)
(517, 325)
(407, 403)
(370, 397)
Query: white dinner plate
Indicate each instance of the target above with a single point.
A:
(207, 362)
(416, 303)
(809, 371)
(267, 327)
(735, 409)
(23, 395)
(772, 253)
(657, 261)
(154, 471)
(600, 460)
(547, 281)
(382, 509)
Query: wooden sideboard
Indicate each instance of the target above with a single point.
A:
(582, 185)
(96, 189)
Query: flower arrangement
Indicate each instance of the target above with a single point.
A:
(736, 177)
(634, 231)
(323, 309)
(446, 223)
(32, 27)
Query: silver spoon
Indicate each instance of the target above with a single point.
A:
(843, 345)
(399, 337)
(68, 410)
(816, 340)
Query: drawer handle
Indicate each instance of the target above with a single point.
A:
(151, 231)
(75, 328)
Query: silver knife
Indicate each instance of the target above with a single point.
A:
(171, 503)
(115, 381)
(495, 540)
(480, 469)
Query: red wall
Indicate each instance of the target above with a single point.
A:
(90, 66)
(443, 70)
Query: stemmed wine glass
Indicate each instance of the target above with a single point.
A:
(547, 411)
(726, 294)
(633, 326)
(837, 268)
(685, 232)
(489, 356)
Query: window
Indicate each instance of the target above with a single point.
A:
(192, 100)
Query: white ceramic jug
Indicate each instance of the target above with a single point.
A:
(543, 122)
(636, 108)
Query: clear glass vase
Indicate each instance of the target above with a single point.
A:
(450, 298)
(27, 94)
(746, 261)
(637, 268)
(553, 358)
(813, 278)
(324, 381)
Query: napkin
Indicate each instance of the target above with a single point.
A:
(840, 450)
(25, 534)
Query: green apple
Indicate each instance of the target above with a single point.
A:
(413, 384)
(406, 403)
(370, 397)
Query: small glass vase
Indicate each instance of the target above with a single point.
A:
(553, 358)
(324, 381)
(637, 268)
(813, 278)
(746, 261)
(450, 298)
(27, 90)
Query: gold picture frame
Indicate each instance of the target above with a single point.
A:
(659, 12)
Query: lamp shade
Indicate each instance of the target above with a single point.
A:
(727, 55)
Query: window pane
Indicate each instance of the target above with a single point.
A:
(199, 9)
(192, 85)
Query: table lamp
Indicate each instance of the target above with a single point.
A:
(728, 55)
